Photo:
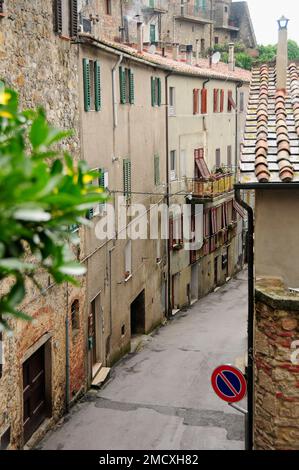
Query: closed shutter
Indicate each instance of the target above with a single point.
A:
(157, 169)
(171, 241)
(204, 101)
(97, 85)
(89, 214)
(122, 85)
(127, 177)
(153, 91)
(73, 18)
(231, 103)
(159, 91)
(221, 101)
(86, 84)
(58, 16)
(132, 87)
(195, 100)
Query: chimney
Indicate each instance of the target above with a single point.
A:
(139, 35)
(231, 57)
(189, 53)
(282, 54)
(197, 52)
(176, 51)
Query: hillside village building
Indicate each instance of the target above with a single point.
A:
(161, 131)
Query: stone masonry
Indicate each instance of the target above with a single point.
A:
(276, 375)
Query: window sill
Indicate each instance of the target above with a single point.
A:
(65, 38)
(2, 15)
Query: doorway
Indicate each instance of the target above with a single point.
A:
(96, 333)
(34, 392)
(138, 315)
(194, 282)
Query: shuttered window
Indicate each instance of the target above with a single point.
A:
(131, 86)
(153, 91)
(216, 100)
(195, 101)
(127, 177)
(126, 86)
(122, 85)
(158, 80)
(221, 101)
(156, 91)
(86, 84)
(157, 169)
(58, 16)
(97, 86)
(204, 101)
(73, 18)
(66, 17)
(230, 101)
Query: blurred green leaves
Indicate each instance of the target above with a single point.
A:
(43, 192)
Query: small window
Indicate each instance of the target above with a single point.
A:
(225, 9)
(173, 164)
(108, 7)
(218, 158)
(216, 40)
(66, 18)
(75, 316)
(172, 101)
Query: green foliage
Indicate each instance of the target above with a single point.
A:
(293, 50)
(43, 193)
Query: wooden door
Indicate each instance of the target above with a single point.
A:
(34, 400)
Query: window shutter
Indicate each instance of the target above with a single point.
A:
(153, 89)
(215, 100)
(221, 101)
(97, 85)
(102, 179)
(73, 18)
(195, 101)
(127, 177)
(58, 16)
(132, 87)
(122, 85)
(159, 91)
(86, 84)
(89, 214)
(171, 240)
(204, 99)
(157, 169)
(231, 104)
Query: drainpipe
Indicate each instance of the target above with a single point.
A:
(239, 85)
(204, 117)
(115, 103)
(110, 302)
(168, 314)
(250, 370)
(67, 353)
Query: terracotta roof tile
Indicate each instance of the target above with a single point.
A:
(271, 142)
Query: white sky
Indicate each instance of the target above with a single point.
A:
(264, 15)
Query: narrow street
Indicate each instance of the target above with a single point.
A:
(161, 397)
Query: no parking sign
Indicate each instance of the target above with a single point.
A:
(229, 383)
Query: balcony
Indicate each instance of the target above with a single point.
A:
(192, 13)
(231, 25)
(154, 6)
(210, 188)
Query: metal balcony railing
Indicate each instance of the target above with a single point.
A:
(212, 187)
(192, 11)
(157, 5)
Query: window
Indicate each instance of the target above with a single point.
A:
(195, 101)
(176, 230)
(157, 169)
(202, 45)
(103, 183)
(108, 7)
(128, 259)
(66, 18)
(216, 101)
(75, 318)
(225, 9)
(173, 164)
(1, 354)
(218, 158)
(156, 91)
(216, 40)
(127, 177)
(171, 101)
(152, 33)
(92, 85)
(242, 101)
(229, 156)
(204, 101)
(126, 86)
(221, 101)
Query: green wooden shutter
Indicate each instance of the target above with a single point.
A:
(132, 87)
(153, 90)
(127, 177)
(86, 84)
(157, 169)
(97, 85)
(122, 85)
(159, 91)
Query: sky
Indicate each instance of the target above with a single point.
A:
(264, 15)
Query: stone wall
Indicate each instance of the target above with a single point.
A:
(276, 411)
(42, 67)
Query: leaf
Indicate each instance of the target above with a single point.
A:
(73, 269)
(39, 131)
(17, 293)
(55, 135)
(32, 215)
(14, 264)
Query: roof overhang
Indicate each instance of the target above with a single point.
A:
(273, 186)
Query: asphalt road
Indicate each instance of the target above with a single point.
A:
(161, 397)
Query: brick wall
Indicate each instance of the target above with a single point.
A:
(276, 423)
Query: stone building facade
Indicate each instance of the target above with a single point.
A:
(42, 66)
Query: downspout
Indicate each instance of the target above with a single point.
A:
(167, 196)
(239, 85)
(115, 103)
(204, 116)
(67, 353)
(110, 302)
(250, 328)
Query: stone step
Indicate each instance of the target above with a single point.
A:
(96, 369)
(101, 377)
